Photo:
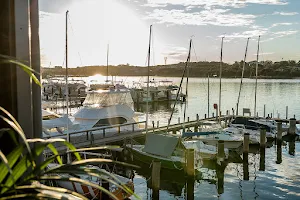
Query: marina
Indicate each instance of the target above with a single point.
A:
(209, 111)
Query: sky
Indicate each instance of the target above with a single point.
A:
(122, 26)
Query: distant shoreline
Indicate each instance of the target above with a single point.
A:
(278, 70)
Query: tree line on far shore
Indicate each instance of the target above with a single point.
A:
(266, 69)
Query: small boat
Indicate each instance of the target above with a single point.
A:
(167, 149)
(207, 152)
(91, 192)
(254, 135)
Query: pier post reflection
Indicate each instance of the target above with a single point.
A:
(190, 185)
(245, 156)
(155, 179)
(292, 147)
(220, 176)
(279, 152)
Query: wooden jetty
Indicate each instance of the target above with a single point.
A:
(97, 136)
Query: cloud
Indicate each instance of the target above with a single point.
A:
(279, 34)
(247, 34)
(217, 17)
(212, 3)
(175, 53)
(285, 13)
(281, 24)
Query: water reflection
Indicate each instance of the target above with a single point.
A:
(292, 148)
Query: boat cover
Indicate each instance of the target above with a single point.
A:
(161, 145)
(191, 134)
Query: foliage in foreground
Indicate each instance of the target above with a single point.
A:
(21, 175)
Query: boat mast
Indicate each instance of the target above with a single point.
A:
(67, 85)
(148, 79)
(238, 101)
(221, 63)
(107, 53)
(208, 96)
(256, 72)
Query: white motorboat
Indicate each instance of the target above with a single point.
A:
(102, 109)
(254, 135)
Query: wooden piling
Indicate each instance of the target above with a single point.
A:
(264, 110)
(286, 112)
(279, 132)
(190, 162)
(188, 119)
(263, 138)
(196, 128)
(204, 116)
(292, 128)
(221, 152)
(157, 124)
(262, 150)
(155, 179)
(245, 156)
(178, 120)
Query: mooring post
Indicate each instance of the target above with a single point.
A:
(213, 115)
(294, 116)
(204, 116)
(227, 112)
(188, 119)
(157, 126)
(264, 110)
(221, 152)
(155, 179)
(245, 156)
(190, 162)
(262, 150)
(271, 115)
(292, 128)
(286, 112)
(178, 120)
(279, 132)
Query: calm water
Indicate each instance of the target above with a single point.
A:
(278, 181)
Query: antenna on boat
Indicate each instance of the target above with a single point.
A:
(67, 85)
(256, 72)
(238, 101)
(107, 53)
(221, 63)
(148, 79)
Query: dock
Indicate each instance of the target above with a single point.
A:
(99, 136)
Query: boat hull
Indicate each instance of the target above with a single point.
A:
(148, 159)
(227, 144)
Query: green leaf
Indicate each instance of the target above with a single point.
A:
(53, 149)
(14, 124)
(58, 190)
(11, 160)
(78, 180)
(23, 66)
(5, 165)
(96, 148)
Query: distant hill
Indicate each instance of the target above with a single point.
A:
(266, 69)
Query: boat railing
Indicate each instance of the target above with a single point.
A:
(90, 134)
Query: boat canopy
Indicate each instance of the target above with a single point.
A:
(162, 145)
(57, 123)
(96, 113)
(108, 98)
(191, 134)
